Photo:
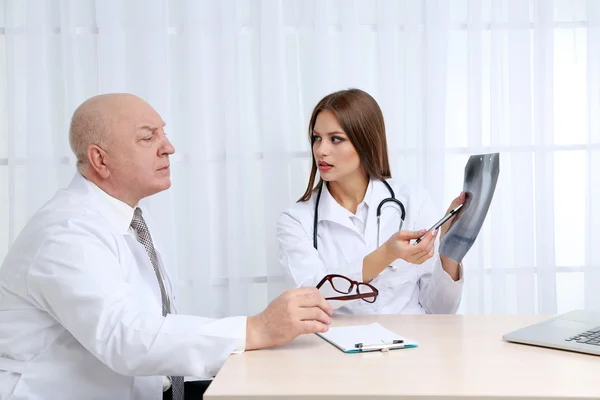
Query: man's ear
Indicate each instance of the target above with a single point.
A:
(97, 157)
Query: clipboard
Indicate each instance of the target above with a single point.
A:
(366, 338)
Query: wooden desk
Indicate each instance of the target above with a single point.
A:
(459, 356)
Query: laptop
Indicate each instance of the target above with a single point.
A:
(577, 331)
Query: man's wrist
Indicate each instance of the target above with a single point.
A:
(254, 334)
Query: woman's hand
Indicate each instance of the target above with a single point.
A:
(455, 203)
(399, 246)
(449, 265)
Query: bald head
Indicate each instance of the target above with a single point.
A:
(121, 146)
(92, 122)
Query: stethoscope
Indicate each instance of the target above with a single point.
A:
(392, 199)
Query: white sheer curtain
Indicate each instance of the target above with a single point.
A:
(236, 82)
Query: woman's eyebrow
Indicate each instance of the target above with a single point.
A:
(331, 133)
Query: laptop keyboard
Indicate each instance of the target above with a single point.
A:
(591, 336)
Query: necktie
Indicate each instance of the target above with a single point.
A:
(144, 237)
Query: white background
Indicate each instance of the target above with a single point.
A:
(236, 82)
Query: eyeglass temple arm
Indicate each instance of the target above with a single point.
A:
(352, 296)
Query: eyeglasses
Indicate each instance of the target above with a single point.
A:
(345, 286)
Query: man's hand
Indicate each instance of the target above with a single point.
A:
(295, 312)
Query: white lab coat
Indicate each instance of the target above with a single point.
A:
(80, 310)
(403, 289)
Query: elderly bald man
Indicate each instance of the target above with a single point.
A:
(86, 305)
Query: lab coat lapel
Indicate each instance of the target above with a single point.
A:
(80, 184)
(330, 210)
(95, 202)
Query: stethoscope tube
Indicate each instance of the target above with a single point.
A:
(392, 199)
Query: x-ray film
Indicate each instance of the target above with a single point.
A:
(481, 175)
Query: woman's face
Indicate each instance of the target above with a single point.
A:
(335, 156)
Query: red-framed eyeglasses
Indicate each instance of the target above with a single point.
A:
(346, 286)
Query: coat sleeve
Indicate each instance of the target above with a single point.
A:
(301, 260)
(77, 278)
(438, 292)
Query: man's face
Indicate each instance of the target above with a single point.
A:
(138, 151)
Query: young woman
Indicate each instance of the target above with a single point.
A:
(334, 228)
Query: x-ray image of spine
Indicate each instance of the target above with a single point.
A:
(481, 175)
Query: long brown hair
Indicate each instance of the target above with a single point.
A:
(361, 119)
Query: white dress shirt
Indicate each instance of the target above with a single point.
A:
(81, 312)
(125, 213)
(344, 239)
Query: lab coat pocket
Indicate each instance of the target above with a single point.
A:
(14, 380)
